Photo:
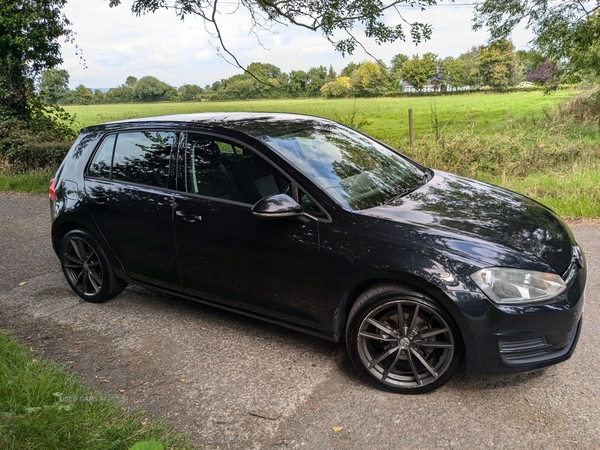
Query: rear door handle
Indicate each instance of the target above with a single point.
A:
(188, 216)
(100, 198)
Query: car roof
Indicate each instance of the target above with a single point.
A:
(253, 124)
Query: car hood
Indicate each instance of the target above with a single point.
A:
(479, 221)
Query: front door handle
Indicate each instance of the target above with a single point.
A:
(188, 216)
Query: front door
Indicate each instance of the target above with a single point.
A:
(228, 255)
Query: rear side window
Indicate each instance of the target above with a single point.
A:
(140, 157)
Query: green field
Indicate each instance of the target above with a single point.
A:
(384, 118)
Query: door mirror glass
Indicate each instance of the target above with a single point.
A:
(277, 205)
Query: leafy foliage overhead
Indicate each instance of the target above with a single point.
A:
(566, 30)
(29, 43)
(336, 20)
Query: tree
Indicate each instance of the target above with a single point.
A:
(297, 81)
(29, 43)
(82, 95)
(454, 72)
(334, 20)
(151, 89)
(397, 62)
(190, 93)
(54, 84)
(418, 71)
(566, 30)
(349, 69)
(470, 59)
(395, 71)
(528, 60)
(266, 81)
(130, 81)
(99, 97)
(341, 87)
(497, 65)
(546, 74)
(317, 77)
(369, 80)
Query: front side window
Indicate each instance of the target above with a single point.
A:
(140, 157)
(223, 170)
(355, 170)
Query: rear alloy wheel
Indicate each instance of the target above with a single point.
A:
(402, 341)
(87, 269)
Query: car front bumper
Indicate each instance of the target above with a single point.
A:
(515, 339)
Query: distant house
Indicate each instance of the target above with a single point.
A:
(432, 87)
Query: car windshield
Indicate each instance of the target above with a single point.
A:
(355, 170)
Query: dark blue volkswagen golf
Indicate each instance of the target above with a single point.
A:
(307, 223)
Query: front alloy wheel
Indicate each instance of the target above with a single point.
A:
(402, 341)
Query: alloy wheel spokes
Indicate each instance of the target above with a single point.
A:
(94, 280)
(430, 369)
(383, 356)
(79, 249)
(414, 369)
(391, 366)
(381, 326)
(376, 337)
(401, 321)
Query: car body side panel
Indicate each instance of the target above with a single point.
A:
(137, 222)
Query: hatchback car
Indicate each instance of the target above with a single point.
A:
(310, 224)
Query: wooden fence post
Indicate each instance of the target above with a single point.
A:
(410, 129)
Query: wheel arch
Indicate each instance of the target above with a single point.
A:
(60, 230)
(410, 281)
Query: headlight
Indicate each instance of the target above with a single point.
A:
(516, 286)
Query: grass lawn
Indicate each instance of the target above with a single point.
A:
(43, 407)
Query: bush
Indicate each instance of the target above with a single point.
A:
(22, 151)
(41, 143)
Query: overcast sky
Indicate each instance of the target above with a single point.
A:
(116, 44)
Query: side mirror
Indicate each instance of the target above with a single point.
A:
(275, 206)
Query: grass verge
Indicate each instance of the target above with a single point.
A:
(34, 182)
(574, 193)
(43, 407)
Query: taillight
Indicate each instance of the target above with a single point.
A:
(51, 191)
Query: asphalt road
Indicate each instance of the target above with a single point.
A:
(233, 382)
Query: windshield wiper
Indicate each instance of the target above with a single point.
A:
(425, 178)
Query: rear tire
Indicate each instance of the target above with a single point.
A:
(87, 268)
(402, 341)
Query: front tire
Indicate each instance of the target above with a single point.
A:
(87, 268)
(402, 341)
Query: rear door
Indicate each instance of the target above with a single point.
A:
(129, 184)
